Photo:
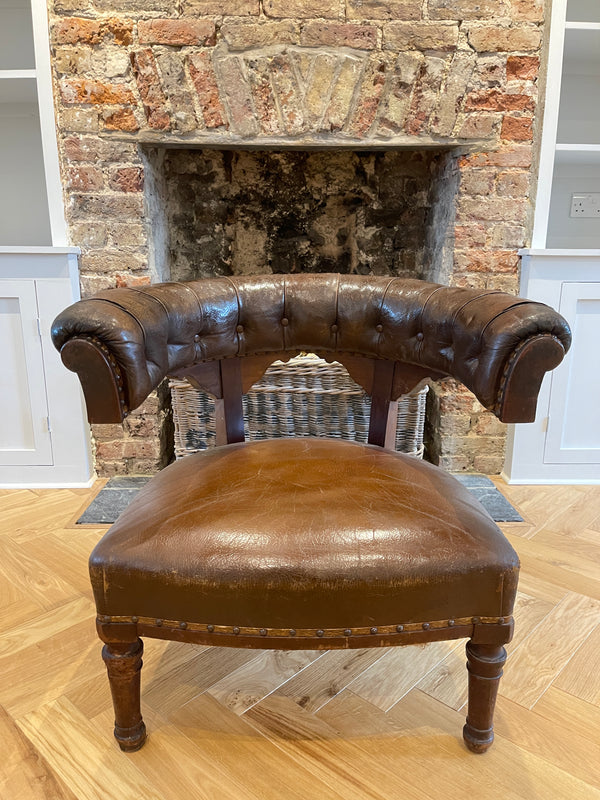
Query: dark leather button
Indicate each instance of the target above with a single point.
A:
(419, 337)
(197, 337)
(334, 328)
(285, 322)
(240, 328)
(379, 328)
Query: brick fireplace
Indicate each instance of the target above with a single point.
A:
(371, 136)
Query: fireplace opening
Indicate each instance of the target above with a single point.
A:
(216, 212)
(240, 212)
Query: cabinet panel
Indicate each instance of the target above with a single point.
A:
(24, 435)
(573, 435)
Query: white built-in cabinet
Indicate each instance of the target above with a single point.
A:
(44, 439)
(562, 268)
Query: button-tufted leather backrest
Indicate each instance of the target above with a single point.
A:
(498, 345)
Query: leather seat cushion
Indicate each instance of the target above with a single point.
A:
(304, 533)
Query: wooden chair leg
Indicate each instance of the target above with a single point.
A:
(124, 663)
(484, 663)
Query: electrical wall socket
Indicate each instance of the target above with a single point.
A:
(585, 206)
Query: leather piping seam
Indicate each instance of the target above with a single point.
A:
(497, 407)
(239, 316)
(126, 311)
(422, 310)
(380, 315)
(307, 633)
(505, 311)
(337, 313)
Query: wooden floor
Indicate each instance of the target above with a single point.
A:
(231, 724)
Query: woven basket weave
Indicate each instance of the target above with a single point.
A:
(304, 397)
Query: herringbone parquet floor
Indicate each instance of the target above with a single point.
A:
(230, 724)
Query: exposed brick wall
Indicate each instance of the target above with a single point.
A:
(350, 73)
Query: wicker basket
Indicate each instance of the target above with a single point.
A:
(303, 397)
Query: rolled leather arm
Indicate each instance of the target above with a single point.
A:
(123, 342)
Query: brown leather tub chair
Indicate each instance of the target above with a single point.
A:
(306, 543)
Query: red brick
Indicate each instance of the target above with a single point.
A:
(225, 8)
(85, 179)
(513, 184)
(121, 120)
(486, 261)
(107, 261)
(496, 100)
(75, 30)
(530, 10)
(127, 179)
(467, 9)
(244, 34)
(81, 149)
(301, 9)
(150, 89)
(125, 280)
(493, 209)
(517, 129)
(177, 31)
(501, 38)
(514, 156)
(81, 90)
(523, 68)
(470, 235)
(478, 125)
(438, 36)
(121, 30)
(384, 9)
(331, 34)
(205, 83)
(368, 100)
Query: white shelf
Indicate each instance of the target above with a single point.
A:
(582, 26)
(12, 74)
(577, 154)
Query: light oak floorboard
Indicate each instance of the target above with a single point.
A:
(581, 676)
(549, 648)
(250, 683)
(24, 773)
(227, 740)
(328, 676)
(392, 676)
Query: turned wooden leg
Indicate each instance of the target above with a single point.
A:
(124, 663)
(484, 663)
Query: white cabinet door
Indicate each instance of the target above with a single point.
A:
(573, 435)
(25, 438)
